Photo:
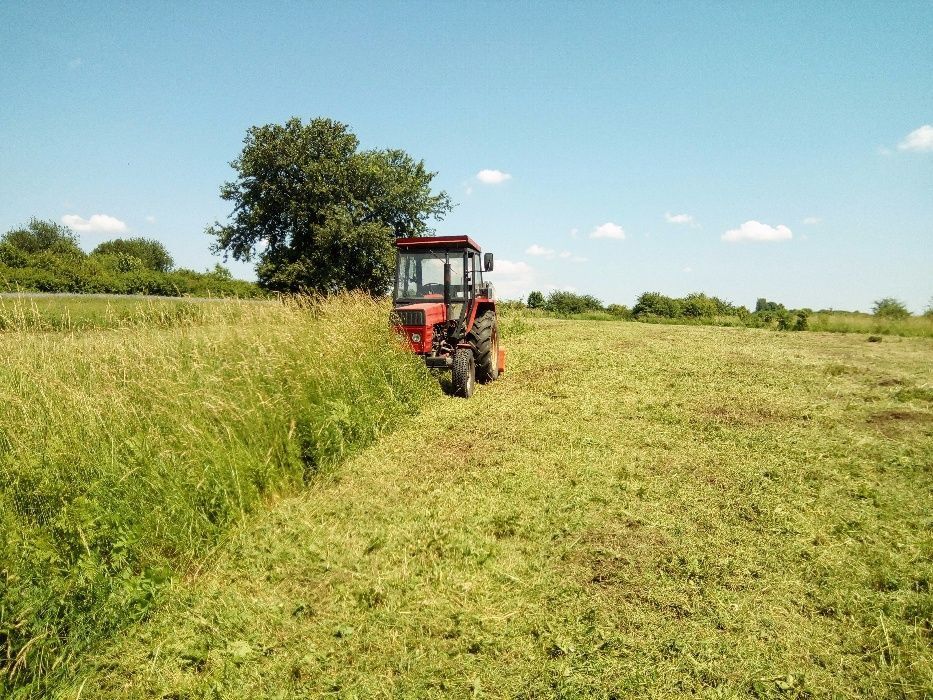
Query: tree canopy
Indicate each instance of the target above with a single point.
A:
(151, 253)
(319, 214)
(43, 237)
(889, 307)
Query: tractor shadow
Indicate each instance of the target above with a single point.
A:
(444, 381)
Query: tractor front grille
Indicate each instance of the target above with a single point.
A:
(410, 317)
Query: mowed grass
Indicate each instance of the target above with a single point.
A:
(127, 453)
(633, 510)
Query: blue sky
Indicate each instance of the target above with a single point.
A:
(809, 125)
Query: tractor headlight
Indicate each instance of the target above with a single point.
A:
(416, 337)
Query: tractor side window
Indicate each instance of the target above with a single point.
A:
(456, 275)
(409, 276)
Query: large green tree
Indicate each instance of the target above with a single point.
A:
(319, 214)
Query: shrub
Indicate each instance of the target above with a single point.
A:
(656, 304)
(889, 307)
(536, 300)
(566, 303)
(151, 253)
(619, 311)
(698, 305)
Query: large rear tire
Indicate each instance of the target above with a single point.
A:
(464, 373)
(485, 338)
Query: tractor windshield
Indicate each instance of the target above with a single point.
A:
(421, 275)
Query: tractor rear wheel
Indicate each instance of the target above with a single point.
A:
(485, 338)
(464, 373)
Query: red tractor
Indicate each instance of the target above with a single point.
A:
(445, 309)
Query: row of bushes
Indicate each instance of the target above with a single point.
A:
(96, 276)
(699, 308)
(43, 256)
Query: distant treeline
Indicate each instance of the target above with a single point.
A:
(43, 256)
(888, 315)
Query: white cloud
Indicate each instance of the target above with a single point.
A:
(565, 254)
(151, 219)
(98, 223)
(884, 151)
(688, 269)
(756, 231)
(678, 218)
(469, 190)
(512, 280)
(492, 177)
(574, 232)
(75, 63)
(577, 258)
(812, 220)
(608, 230)
(919, 140)
(540, 251)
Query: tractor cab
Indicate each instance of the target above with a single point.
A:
(445, 309)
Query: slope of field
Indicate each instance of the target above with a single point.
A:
(127, 453)
(632, 511)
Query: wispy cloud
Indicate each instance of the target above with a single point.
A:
(75, 63)
(682, 219)
(150, 219)
(98, 223)
(574, 232)
(540, 251)
(757, 231)
(608, 230)
(492, 177)
(812, 220)
(919, 140)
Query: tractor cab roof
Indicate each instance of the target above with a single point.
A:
(428, 242)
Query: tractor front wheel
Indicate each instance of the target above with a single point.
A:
(464, 373)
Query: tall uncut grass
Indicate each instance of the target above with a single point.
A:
(26, 312)
(126, 454)
(915, 326)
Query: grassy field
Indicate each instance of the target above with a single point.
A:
(126, 453)
(634, 510)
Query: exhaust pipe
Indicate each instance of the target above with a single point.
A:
(447, 280)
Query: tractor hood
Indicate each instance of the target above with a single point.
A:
(422, 314)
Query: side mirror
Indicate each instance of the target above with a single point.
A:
(487, 262)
